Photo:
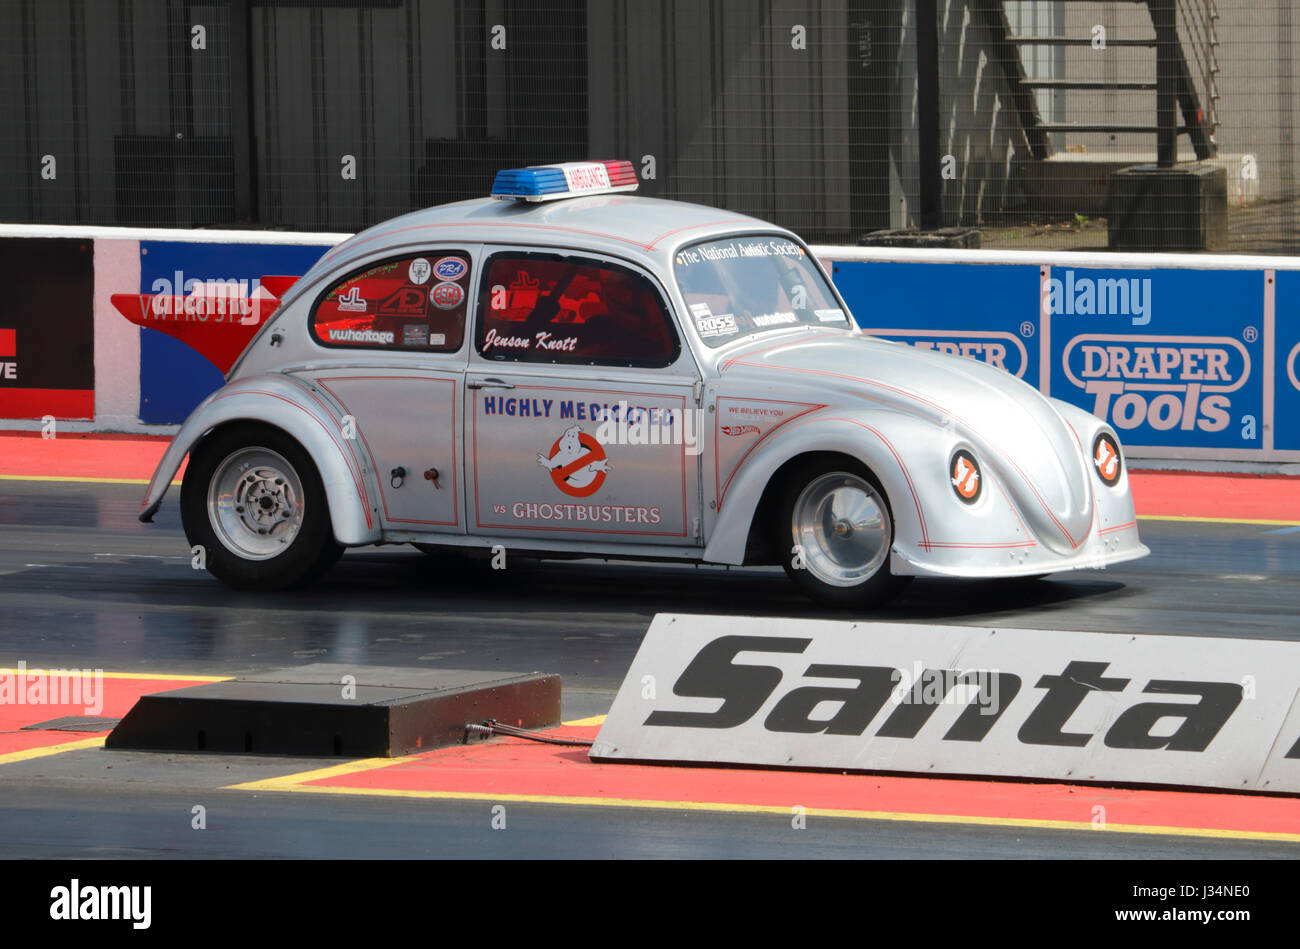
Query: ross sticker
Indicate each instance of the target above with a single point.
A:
(831, 316)
(415, 336)
(351, 302)
(450, 268)
(447, 296)
(964, 473)
(774, 319)
(419, 271)
(1106, 459)
(720, 325)
(577, 463)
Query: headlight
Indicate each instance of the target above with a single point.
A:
(965, 476)
(1106, 458)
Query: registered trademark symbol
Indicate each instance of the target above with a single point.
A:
(1026, 329)
(1250, 334)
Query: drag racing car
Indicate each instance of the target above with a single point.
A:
(565, 368)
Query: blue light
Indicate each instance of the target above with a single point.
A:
(571, 179)
(529, 182)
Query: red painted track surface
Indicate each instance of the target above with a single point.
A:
(508, 768)
(1156, 493)
(118, 695)
(511, 768)
(77, 456)
(1187, 493)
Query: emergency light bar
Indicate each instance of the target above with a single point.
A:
(570, 180)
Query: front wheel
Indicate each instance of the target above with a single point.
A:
(253, 502)
(836, 529)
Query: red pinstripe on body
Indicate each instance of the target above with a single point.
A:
(1074, 544)
(383, 497)
(357, 480)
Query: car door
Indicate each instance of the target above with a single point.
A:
(580, 404)
(401, 321)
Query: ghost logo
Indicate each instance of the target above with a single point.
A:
(577, 463)
(1105, 456)
(964, 473)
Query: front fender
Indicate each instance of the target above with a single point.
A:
(871, 440)
(286, 403)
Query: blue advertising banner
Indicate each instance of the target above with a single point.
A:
(983, 312)
(173, 377)
(1286, 356)
(1170, 357)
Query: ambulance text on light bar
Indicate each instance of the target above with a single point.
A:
(550, 182)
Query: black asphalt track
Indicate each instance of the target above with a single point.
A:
(84, 584)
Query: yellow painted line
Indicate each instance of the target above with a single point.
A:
(1216, 520)
(294, 782)
(48, 750)
(289, 783)
(594, 720)
(1141, 517)
(114, 675)
(77, 480)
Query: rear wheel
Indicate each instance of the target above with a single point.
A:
(253, 501)
(836, 531)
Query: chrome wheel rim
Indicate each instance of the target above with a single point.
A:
(841, 525)
(255, 503)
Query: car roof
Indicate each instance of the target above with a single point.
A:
(619, 224)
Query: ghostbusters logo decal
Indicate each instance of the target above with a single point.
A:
(964, 473)
(577, 463)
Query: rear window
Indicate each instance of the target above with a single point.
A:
(413, 303)
(552, 309)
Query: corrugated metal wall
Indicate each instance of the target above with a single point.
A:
(336, 114)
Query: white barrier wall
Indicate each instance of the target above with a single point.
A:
(1188, 356)
(142, 381)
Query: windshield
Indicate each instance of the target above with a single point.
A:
(740, 286)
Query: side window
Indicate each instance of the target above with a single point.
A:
(553, 309)
(413, 303)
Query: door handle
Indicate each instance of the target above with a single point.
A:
(489, 384)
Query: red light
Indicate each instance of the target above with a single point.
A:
(621, 173)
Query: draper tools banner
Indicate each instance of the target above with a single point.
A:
(1182, 362)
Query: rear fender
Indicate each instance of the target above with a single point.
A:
(311, 418)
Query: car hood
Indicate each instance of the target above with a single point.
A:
(1016, 433)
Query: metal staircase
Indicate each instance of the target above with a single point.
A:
(1186, 90)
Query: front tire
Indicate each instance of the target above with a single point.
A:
(836, 530)
(253, 500)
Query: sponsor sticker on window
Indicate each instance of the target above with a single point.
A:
(407, 303)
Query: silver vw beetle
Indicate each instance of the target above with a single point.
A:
(565, 369)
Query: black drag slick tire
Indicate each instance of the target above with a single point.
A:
(312, 550)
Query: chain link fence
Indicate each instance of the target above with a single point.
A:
(1155, 124)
